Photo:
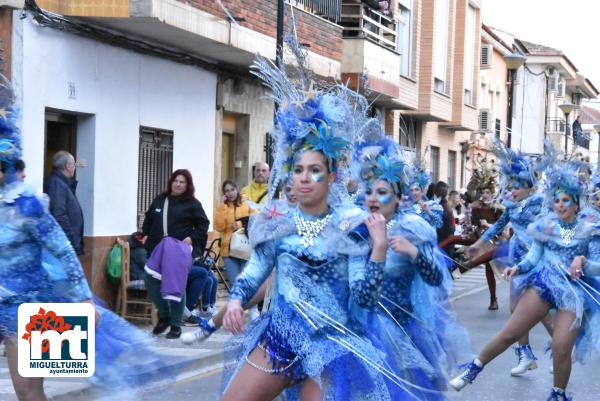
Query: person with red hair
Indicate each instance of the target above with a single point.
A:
(176, 218)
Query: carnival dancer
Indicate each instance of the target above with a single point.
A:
(522, 206)
(429, 209)
(412, 323)
(591, 212)
(38, 264)
(555, 274)
(484, 212)
(308, 342)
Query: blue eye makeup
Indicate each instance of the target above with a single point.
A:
(385, 199)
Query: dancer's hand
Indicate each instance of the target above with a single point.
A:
(233, 321)
(378, 232)
(577, 267)
(401, 245)
(510, 272)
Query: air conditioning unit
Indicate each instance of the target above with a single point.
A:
(485, 120)
(486, 56)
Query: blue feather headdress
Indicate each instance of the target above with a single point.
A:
(10, 141)
(568, 176)
(419, 176)
(380, 158)
(327, 119)
(514, 166)
(594, 186)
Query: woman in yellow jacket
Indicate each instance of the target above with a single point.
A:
(227, 220)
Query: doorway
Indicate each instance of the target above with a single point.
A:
(61, 134)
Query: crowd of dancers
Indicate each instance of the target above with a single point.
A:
(358, 308)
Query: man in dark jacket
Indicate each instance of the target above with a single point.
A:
(64, 206)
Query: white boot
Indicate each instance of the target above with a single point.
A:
(466, 377)
(526, 360)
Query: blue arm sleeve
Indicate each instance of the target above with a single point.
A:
(435, 217)
(48, 233)
(532, 258)
(428, 269)
(257, 270)
(366, 280)
(497, 227)
(592, 263)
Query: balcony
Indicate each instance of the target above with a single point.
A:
(360, 21)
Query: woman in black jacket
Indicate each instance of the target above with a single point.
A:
(186, 222)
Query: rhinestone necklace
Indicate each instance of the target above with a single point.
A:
(308, 230)
(567, 233)
(390, 224)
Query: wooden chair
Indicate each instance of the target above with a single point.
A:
(133, 302)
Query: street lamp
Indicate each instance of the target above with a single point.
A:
(567, 108)
(597, 128)
(513, 62)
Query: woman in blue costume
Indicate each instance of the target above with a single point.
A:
(559, 272)
(522, 207)
(39, 265)
(412, 322)
(309, 341)
(429, 209)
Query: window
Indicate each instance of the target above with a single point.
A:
(408, 133)
(435, 164)
(440, 45)
(469, 62)
(404, 36)
(452, 169)
(155, 165)
(498, 128)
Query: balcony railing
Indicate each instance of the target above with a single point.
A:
(328, 9)
(556, 125)
(361, 21)
(582, 139)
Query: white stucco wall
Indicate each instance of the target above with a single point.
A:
(117, 91)
(529, 112)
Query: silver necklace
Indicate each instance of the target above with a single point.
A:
(308, 230)
(390, 224)
(567, 234)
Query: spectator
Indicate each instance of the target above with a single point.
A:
(229, 217)
(137, 256)
(64, 206)
(441, 192)
(258, 189)
(187, 228)
(201, 282)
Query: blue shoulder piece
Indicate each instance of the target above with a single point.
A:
(29, 206)
(360, 233)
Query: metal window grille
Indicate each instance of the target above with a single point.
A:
(329, 9)
(155, 166)
(269, 142)
(498, 128)
(452, 169)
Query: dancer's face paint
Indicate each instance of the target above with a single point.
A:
(381, 199)
(564, 206)
(318, 177)
(312, 194)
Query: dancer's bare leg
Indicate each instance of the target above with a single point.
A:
(259, 296)
(491, 282)
(563, 341)
(546, 321)
(528, 312)
(311, 391)
(26, 388)
(252, 384)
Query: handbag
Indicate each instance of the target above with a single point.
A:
(239, 246)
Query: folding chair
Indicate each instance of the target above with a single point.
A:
(211, 259)
(133, 302)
